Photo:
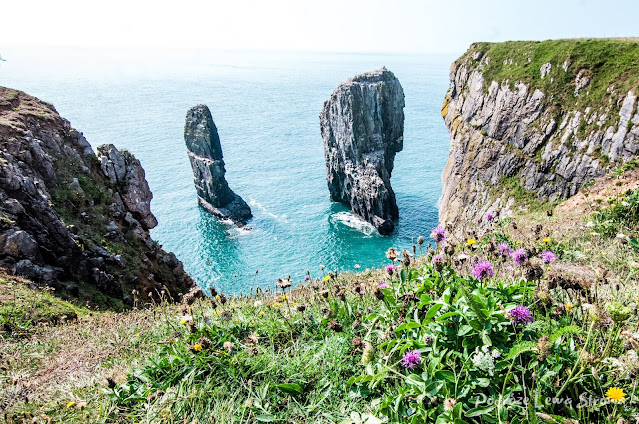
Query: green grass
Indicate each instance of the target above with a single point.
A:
(22, 308)
(609, 62)
(526, 199)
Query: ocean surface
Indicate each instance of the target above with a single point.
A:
(266, 106)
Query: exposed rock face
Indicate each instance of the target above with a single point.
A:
(124, 170)
(205, 154)
(67, 216)
(363, 128)
(508, 133)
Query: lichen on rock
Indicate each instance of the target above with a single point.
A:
(362, 127)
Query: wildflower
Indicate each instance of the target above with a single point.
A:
(390, 269)
(546, 240)
(519, 256)
(438, 234)
(438, 261)
(615, 394)
(411, 359)
(484, 360)
(368, 354)
(306, 278)
(284, 283)
(618, 312)
(327, 277)
(449, 404)
(196, 347)
(521, 315)
(482, 270)
(503, 250)
(471, 241)
(284, 297)
(229, 346)
(569, 306)
(543, 347)
(204, 342)
(420, 240)
(391, 253)
(548, 256)
(71, 404)
(257, 303)
(260, 314)
(489, 216)
(357, 266)
(186, 319)
(382, 286)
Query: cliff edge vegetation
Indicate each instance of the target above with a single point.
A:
(532, 122)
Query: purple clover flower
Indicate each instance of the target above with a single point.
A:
(483, 269)
(503, 250)
(438, 234)
(382, 286)
(519, 256)
(411, 359)
(490, 216)
(548, 256)
(307, 278)
(521, 315)
(390, 269)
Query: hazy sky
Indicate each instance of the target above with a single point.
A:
(326, 25)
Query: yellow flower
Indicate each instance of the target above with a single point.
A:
(183, 321)
(197, 347)
(615, 394)
(293, 303)
(471, 241)
(546, 240)
(327, 277)
(70, 404)
(261, 313)
(217, 296)
(137, 335)
(284, 297)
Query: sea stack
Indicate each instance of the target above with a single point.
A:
(363, 127)
(205, 154)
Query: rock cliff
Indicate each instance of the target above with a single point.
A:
(73, 220)
(205, 155)
(536, 120)
(362, 127)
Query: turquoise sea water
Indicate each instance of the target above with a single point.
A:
(266, 107)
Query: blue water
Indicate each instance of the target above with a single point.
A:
(266, 107)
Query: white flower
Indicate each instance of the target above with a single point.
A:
(590, 224)
(496, 353)
(185, 318)
(484, 360)
(621, 236)
(624, 203)
(257, 303)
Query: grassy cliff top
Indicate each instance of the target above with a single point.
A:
(605, 62)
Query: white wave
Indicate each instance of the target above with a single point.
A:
(282, 218)
(354, 222)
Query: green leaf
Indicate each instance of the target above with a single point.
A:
(433, 310)
(447, 315)
(402, 275)
(433, 388)
(290, 388)
(408, 326)
(475, 412)
(445, 375)
(570, 329)
(266, 418)
(520, 348)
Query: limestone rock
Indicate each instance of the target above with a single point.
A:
(124, 170)
(57, 199)
(205, 155)
(506, 131)
(362, 127)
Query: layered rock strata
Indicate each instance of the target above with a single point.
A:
(205, 155)
(362, 127)
(545, 133)
(72, 220)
